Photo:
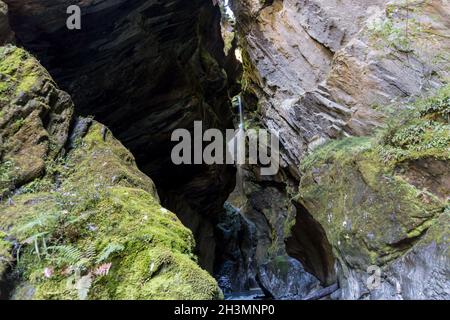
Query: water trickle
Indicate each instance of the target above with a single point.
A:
(241, 113)
(241, 129)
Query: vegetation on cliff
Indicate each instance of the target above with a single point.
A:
(87, 224)
(377, 197)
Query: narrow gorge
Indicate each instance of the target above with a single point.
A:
(92, 205)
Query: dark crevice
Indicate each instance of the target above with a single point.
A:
(144, 69)
(309, 245)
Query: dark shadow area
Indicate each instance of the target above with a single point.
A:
(309, 245)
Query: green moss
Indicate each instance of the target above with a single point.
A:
(104, 162)
(370, 213)
(421, 131)
(105, 211)
(156, 262)
(17, 125)
(6, 175)
(5, 253)
(436, 107)
(336, 150)
(12, 59)
(158, 274)
(19, 70)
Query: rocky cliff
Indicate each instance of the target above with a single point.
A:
(78, 219)
(322, 69)
(144, 68)
(316, 71)
(394, 212)
(92, 207)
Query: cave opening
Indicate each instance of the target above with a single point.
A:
(309, 244)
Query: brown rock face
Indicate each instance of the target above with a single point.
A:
(321, 69)
(6, 34)
(144, 68)
(316, 70)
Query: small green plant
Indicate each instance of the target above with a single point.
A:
(5, 176)
(423, 130)
(18, 124)
(398, 29)
(438, 106)
(108, 251)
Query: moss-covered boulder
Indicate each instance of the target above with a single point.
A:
(384, 202)
(84, 222)
(34, 118)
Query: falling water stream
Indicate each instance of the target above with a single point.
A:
(241, 113)
(252, 293)
(241, 129)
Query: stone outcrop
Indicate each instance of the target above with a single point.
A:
(359, 209)
(326, 69)
(35, 118)
(316, 71)
(144, 68)
(78, 219)
(360, 191)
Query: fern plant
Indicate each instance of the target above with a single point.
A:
(37, 230)
(66, 254)
(80, 265)
(46, 234)
(108, 251)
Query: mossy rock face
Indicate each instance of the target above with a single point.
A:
(34, 118)
(379, 199)
(101, 234)
(85, 223)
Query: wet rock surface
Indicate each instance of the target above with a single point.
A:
(286, 279)
(235, 253)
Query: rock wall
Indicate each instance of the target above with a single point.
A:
(316, 71)
(374, 213)
(6, 34)
(144, 68)
(78, 219)
(326, 69)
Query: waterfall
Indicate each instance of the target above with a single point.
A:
(241, 133)
(241, 114)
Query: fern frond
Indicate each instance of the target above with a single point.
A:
(83, 285)
(108, 250)
(41, 222)
(67, 254)
(90, 252)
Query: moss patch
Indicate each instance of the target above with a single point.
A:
(102, 234)
(370, 213)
